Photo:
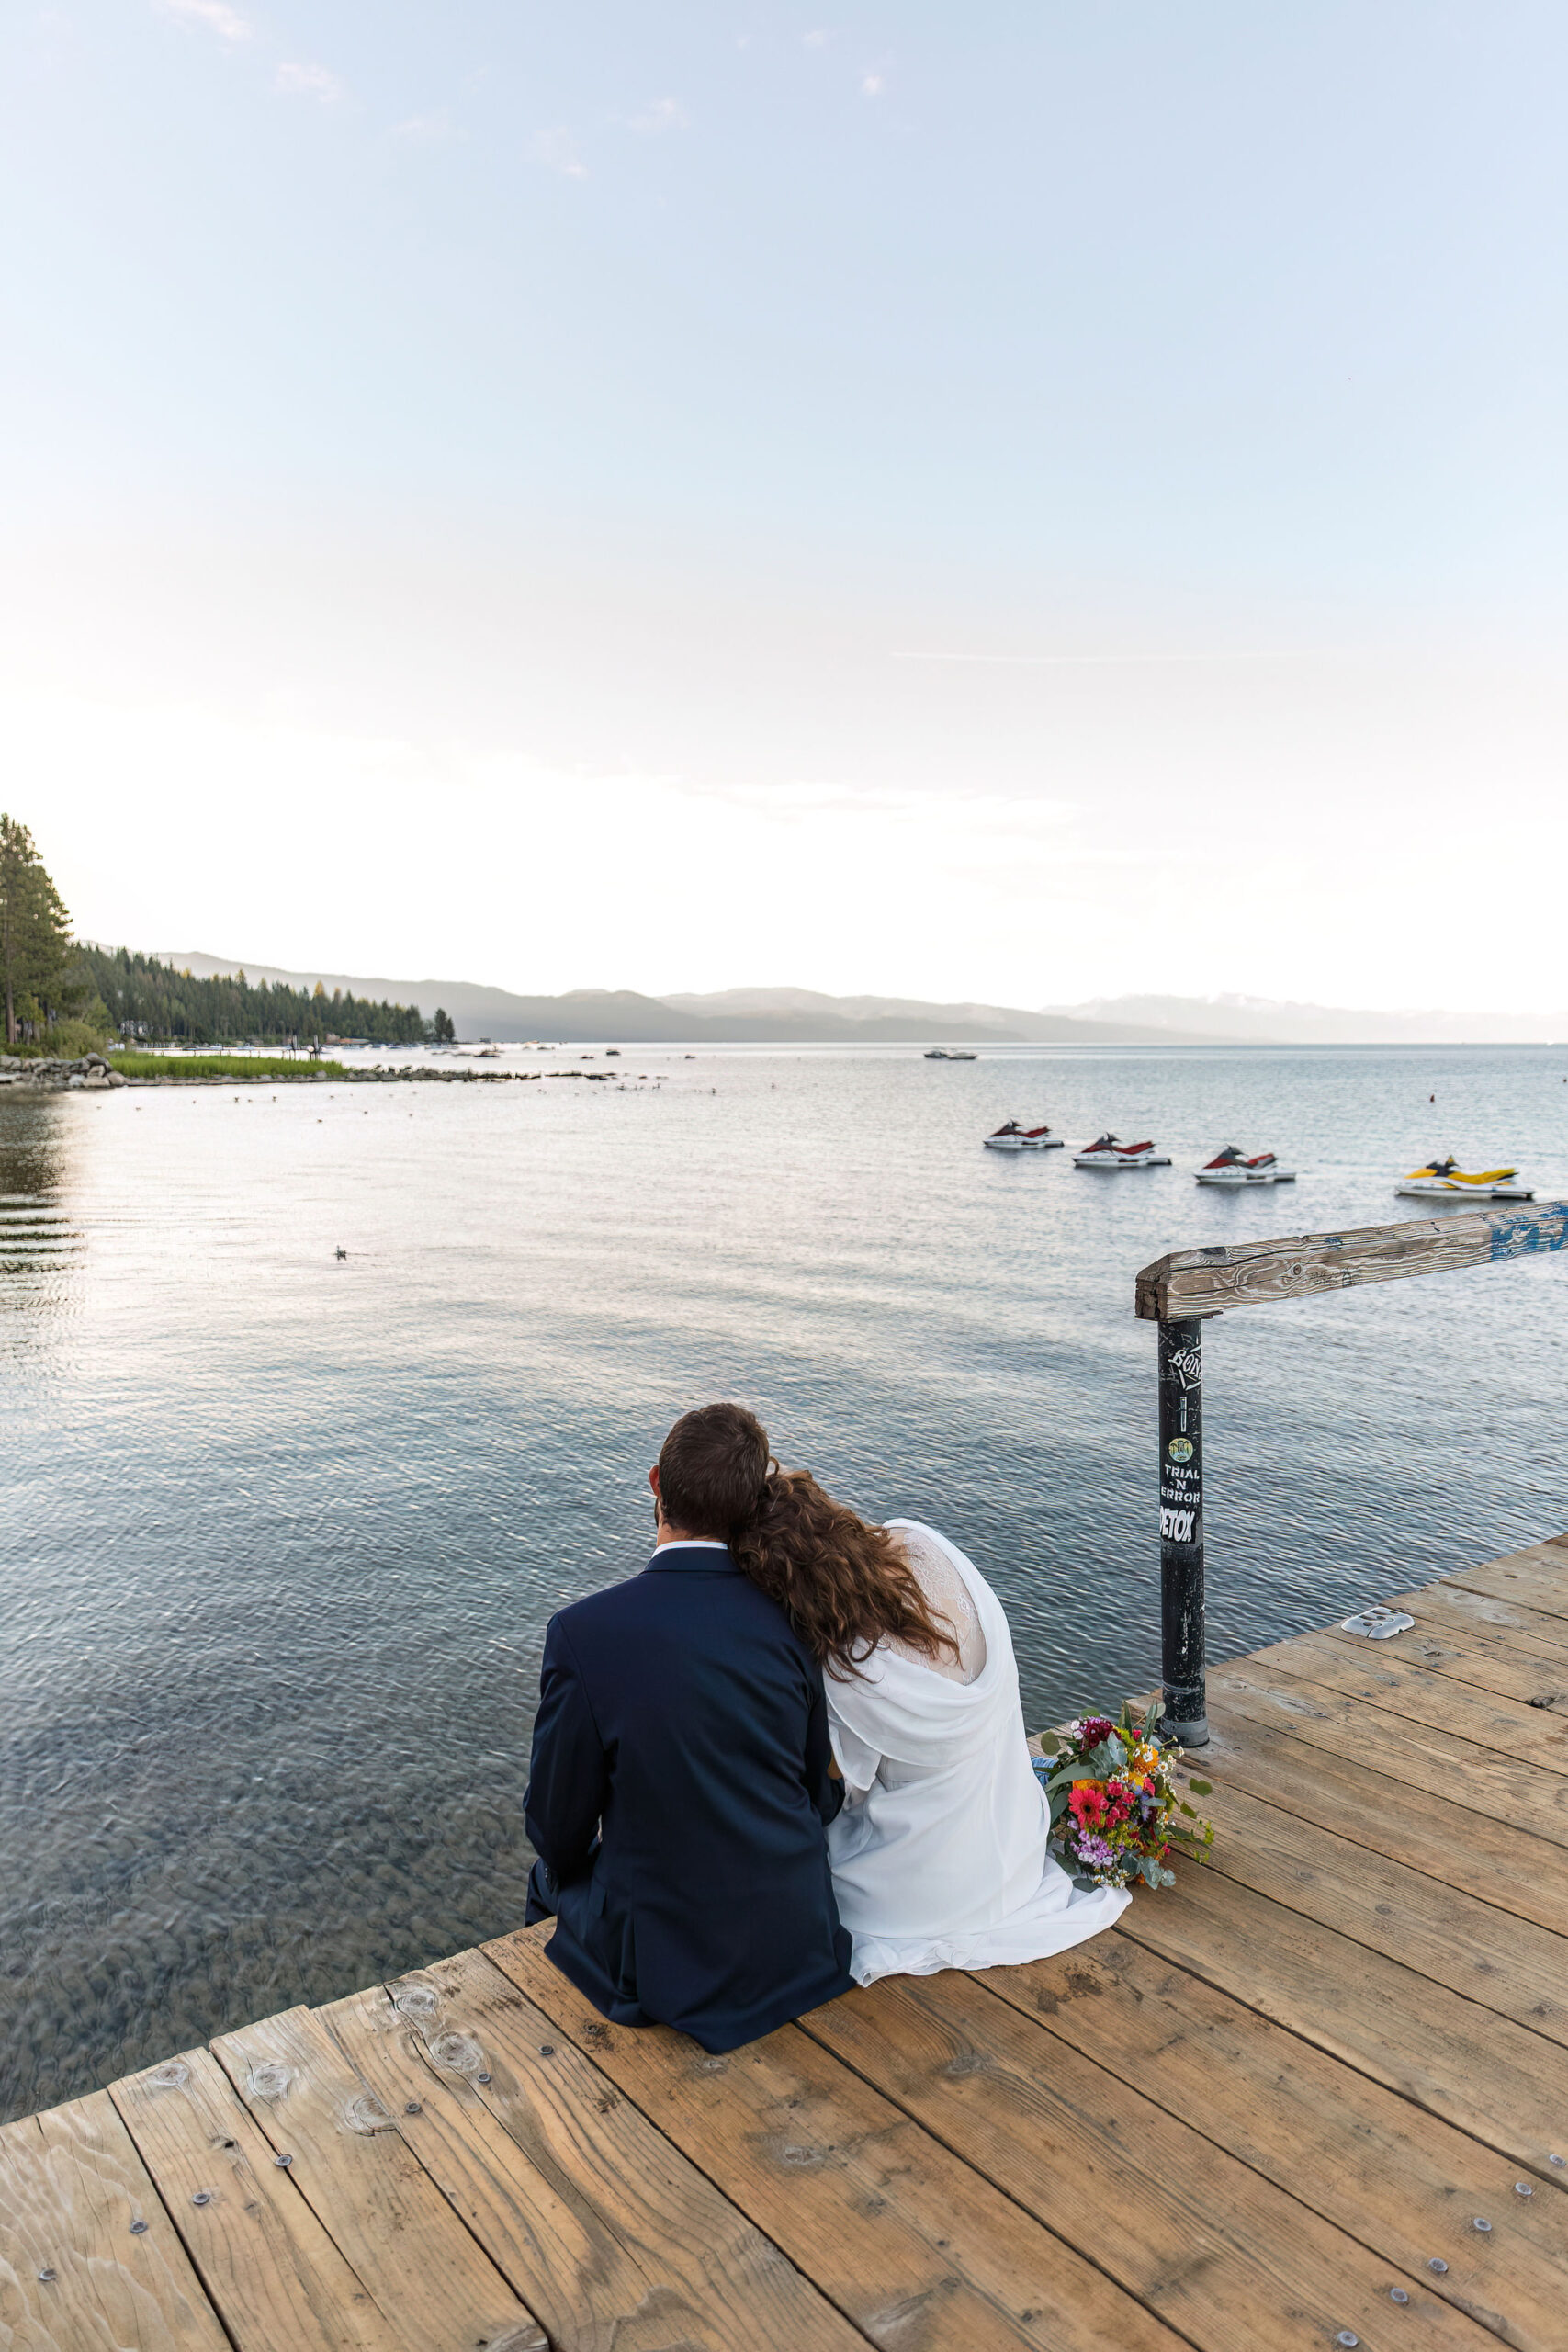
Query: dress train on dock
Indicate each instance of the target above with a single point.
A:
(939, 1855)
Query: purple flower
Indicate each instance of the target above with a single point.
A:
(1096, 1852)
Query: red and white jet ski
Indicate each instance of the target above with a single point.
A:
(1013, 1137)
(1108, 1153)
(1231, 1168)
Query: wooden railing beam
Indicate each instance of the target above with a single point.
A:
(1307, 1265)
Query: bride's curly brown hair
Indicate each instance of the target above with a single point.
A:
(843, 1584)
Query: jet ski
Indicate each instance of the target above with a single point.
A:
(1013, 1137)
(1108, 1153)
(1446, 1177)
(1231, 1168)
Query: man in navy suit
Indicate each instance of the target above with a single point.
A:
(681, 1780)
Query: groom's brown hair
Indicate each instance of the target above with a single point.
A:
(712, 1470)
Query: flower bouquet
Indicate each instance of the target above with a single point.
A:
(1116, 1814)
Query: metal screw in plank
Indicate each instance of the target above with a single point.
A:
(1397, 2295)
(137, 2229)
(481, 2078)
(1523, 2189)
(283, 2163)
(413, 2107)
(1439, 2265)
(1484, 2227)
(202, 2196)
(46, 2277)
(547, 2049)
(1344, 2336)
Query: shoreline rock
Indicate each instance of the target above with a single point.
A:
(42, 1075)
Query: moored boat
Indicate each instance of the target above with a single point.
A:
(1106, 1152)
(1233, 1169)
(1446, 1177)
(948, 1054)
(1013, 1137)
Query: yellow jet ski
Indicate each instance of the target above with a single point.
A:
(1446, 1177)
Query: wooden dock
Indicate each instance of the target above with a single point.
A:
(1318, 2094)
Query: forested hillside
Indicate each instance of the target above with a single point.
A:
(148, 1000)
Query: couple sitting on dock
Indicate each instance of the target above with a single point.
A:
(787, 1757)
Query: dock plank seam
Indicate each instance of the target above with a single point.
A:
(1322, 1671)
(1382, 1826)
(1231, 1859)
(1314, 2037)
(1084, 2253)
(569, 2158)
(1047, 1991)
(1213, 2257)
(521, 1956)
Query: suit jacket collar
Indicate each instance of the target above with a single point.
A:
(673, 1557)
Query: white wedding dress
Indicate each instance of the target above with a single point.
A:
(939, 1853)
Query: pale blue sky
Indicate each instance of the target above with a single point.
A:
(603, 427)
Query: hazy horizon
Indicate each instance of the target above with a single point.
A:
(1023, 508)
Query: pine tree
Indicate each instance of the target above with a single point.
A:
(35, 933)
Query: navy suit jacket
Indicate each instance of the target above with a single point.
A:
(678, 1794)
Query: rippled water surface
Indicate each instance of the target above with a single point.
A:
(281, 1530)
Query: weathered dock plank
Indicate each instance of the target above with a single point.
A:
(627, 2246)
(1271, 2109)
(270, 2268)
(1535, 1577)
(89, 2260)
(1405, 2184)
(1453, 1608)
(1533, 1676)
(1230, 2260)
(369, 2192)
(1403, 1686)
(1458, 2061)
(904, 2237)
(1472, 1776)
(1512, 1871)
(1446, 1933)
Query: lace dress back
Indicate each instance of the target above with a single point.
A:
(941, 1850)
(948, 1598)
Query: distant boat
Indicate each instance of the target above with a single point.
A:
(1108, 1153)
(948, 1054)
(1444, 1176)
(1013, 1137)
(1229, 1167)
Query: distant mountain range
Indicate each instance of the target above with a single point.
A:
(1261, 1021)
(804, 1016)
(735, 1016)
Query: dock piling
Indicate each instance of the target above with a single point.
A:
(1184, 1703)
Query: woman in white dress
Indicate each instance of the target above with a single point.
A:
(939, 1855)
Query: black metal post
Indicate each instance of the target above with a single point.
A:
(1182, 1529)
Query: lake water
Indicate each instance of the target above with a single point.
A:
(282, 1531)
